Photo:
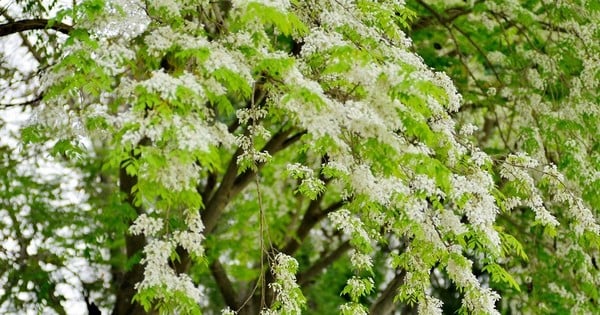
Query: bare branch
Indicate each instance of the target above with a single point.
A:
(33, 24)
(312, 216)
(385, 302)
(33, 102)
(224, 284)
(26, 42)
(450, 13)
(305, 277)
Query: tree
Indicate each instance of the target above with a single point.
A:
(307, 156)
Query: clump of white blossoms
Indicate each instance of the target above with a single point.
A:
(288, 295)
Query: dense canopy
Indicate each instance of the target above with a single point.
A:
(288, 157)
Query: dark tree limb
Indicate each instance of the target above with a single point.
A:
(306, 277)
(90, 305)
(34, 102)
(33, 24)
(224, 284)
(312, 216)
(34, 52)
(134, 244)
(450, 15)
(221, 197)
(232, 184)
(384, 304)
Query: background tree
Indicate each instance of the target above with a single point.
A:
(268, 156)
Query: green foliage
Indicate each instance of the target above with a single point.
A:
(287, 157)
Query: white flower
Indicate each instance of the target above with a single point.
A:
(360, 260)
(448, 220)
(319, 40)
(430, 306)
(228, 311)
(425, 184)
(192, 242)
(468, 129)
(496, 57)
(179, 175)
(287, 291)
(350, 225)
(146, 225)
(460, 272)
(479, 157)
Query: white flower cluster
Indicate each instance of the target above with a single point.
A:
(224, 58)
(193, 133)
(320, 40)
(379, 189)
(110, 56)
(534, 78)
(496, 57)
(468, 129)
(430, 306)
(477, 299)
(162, 38)
(250, 156)
(167, 85)
(584, 218)
(460, 272)
(481, 208)
(228, 311)
(146, 225)
(479, 157)
(448, 221)
(287, 290)
(191, 240)
(350, 225)
(158, 273)
(427, 185)
(360, 260)
(311, 186)
(353, 308)
(357, 287)
(454, 98)
(176, 176)
(515, 169)
(481, 301)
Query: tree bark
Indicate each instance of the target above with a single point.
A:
(33, 24)
(134, 244)
(384, 305)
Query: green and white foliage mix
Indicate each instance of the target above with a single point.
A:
(326, 156)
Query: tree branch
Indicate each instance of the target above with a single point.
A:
(134, 244)
(306, 277)
(385, 302)
(34, 52)
(231, 185)
(33, 102)
(33, 24)
(450, 13)
(311, 217)
(224, 284)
